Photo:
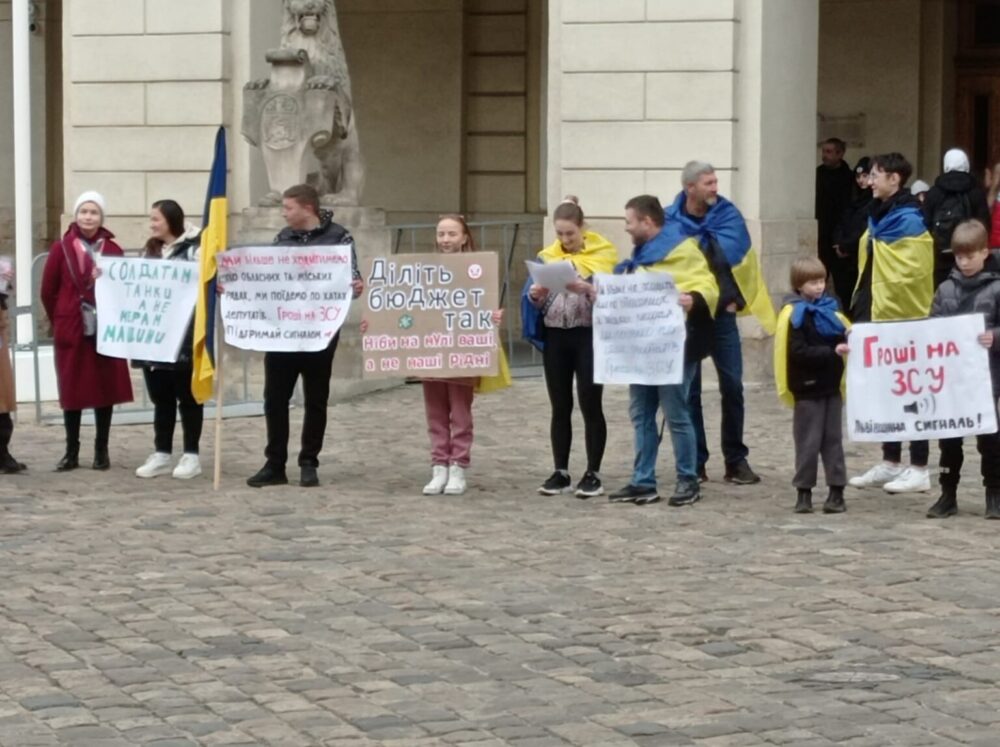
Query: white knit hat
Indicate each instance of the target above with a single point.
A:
(956, 160)
(919, 186)
(95, 197)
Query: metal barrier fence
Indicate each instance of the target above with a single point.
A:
(514, 242)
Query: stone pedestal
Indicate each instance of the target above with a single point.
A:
(372, 239)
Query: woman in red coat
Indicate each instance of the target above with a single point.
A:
(86, 379)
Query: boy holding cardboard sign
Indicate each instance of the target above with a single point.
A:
(973, 286)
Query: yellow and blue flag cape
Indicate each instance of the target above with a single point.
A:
(671, 252)
(902, 277)
(725, 224)
(781, 355)
(598, 255)
(213, 240)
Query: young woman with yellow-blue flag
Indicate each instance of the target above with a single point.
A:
(715, 224)
(561, 324)
(658, 249)
(895, 283)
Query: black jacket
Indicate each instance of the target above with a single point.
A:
(979, 294)
(946, 185)
(700, 331)
(853, 223)
(814, 368)
(833, 194)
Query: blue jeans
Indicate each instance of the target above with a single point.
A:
(727, 354)
(644, 403)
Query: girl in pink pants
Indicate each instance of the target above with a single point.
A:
(448, 402)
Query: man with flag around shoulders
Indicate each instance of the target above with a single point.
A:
(895, 283)
(700, 213)
(660, 248)
(307, 225)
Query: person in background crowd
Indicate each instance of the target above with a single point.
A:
(919, 189)
(809, 369)
(834, 187)
(896, 283)
(848, 233)
(700, 213)
(562, 327)
(972, 287)
(8, 397)
(993, 188)
(86, 379)
(169, 384)
(660, 248)
(954, 197)
(308, 225)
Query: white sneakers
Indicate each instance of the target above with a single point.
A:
(894, 478)
(439, 478)
(158, 464)
(456, 481)
(911, 480)
(189, 466)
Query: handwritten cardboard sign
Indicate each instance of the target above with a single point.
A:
(639, 330)
(913, 381)
(144, 307)
(290, 299)
(431, 315)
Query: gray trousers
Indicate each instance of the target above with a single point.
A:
(816, 428)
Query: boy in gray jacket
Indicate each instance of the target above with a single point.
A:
(972, 287)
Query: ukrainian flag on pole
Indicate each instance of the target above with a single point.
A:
(213, 240)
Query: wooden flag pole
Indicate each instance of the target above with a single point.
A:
(219, 390)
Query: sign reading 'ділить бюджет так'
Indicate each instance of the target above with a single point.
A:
(913, 381)
(431, 315)
(289, 299)
(144, 307)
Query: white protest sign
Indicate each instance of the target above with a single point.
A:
(144, 307)
(290, 299)
(914, 381)
(639, 330)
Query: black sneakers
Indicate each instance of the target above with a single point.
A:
(947, 504)
(804, 501)
(741, 474)
(557, 484)
(268, 475)
(634, 494)
(590, 486)
(686, 493)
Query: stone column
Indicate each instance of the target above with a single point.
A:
(775, 137)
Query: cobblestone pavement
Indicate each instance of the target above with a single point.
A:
(159, 613)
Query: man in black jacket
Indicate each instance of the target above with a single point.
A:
(834, 184)
(307, 226)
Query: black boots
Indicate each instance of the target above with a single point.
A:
(8, 464)
(992, 503)
(102, 459)
(804, 502)
(835, 501)
(947, 504)
(71, 459)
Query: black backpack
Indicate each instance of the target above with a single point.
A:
(954, 208)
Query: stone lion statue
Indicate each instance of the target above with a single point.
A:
(310, 41)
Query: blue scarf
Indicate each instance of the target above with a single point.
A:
(723, 222)
(824, 313)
